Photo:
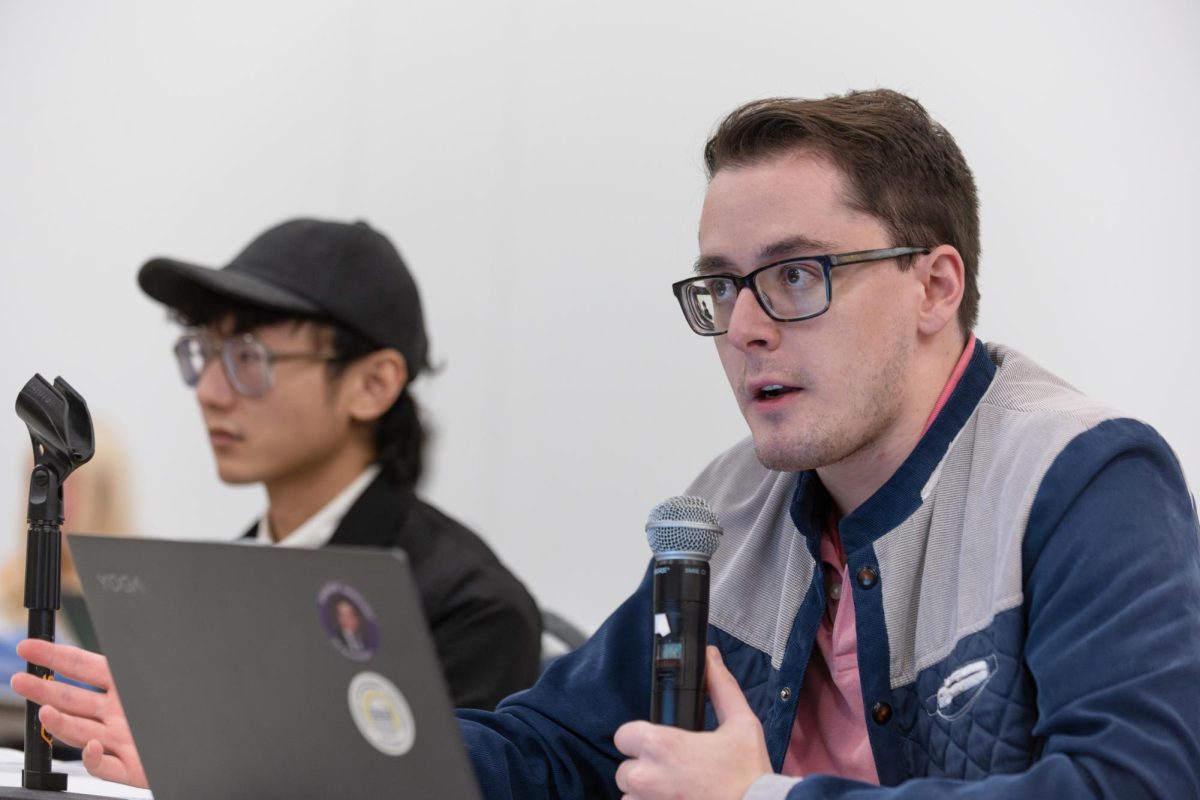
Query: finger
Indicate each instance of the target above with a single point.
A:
(631, 777)
(69, 729)
(723, 689)
(622, 777)
(93, 756)
(630, 738)
(104, 766)
(63, 696)
(74, 663)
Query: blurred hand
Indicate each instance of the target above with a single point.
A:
(90, 720)
(666, 762)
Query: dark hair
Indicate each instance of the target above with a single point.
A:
(903, 168)
(398, 433)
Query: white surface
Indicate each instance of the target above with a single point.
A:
(539, 165)
(78, 781)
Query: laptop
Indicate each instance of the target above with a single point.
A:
(254, 672)
(74, 608)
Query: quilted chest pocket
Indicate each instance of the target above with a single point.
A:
(973, 713)
(961, 688)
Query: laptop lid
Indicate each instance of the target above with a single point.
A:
(252, 672)
(75, 609)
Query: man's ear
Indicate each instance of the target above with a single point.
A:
(943, 279)
(374, 382)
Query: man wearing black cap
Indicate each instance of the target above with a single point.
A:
(318, 331)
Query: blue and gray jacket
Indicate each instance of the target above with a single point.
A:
(1027, 601)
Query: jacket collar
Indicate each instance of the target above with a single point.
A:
(900, 496)
(374, 518)
(378, 514)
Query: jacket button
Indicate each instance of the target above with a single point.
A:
(881, 713)
(868, 577)
(785, 694)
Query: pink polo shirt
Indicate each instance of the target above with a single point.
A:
(830, 732)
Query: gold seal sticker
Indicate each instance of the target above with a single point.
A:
(381, 714)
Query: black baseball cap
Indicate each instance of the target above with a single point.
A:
(348, 273)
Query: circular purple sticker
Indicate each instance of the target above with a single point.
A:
(348, 619)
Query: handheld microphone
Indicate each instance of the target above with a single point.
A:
(683, 533)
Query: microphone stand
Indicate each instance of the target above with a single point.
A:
(60, 428)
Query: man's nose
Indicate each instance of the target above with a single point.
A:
(213, 387)
(749, 324)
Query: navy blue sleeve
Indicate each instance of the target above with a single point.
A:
(555, 739)
(1111, 561)
(1112, 592)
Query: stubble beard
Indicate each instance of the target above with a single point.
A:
(872, 405)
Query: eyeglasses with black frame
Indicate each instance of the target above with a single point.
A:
(247, 362)
(790, 290)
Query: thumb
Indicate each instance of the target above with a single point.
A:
(723, 689)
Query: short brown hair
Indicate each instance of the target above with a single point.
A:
(903, 167)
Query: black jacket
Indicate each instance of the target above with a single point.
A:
(486, 627)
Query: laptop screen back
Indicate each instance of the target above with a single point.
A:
(252, 672)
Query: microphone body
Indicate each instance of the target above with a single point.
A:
(680, 632)
(683, 533)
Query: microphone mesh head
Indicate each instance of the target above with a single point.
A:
(683, 525)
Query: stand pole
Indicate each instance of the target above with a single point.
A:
(43, 595)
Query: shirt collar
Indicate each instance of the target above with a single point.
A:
(951, 384)
(317, 530)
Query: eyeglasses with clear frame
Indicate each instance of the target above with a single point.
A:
(247, 362)
(790, 290)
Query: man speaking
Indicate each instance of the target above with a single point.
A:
(944, 572)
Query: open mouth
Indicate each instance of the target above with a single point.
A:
(775, 390)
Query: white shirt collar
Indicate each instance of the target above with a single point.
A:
(317, 530)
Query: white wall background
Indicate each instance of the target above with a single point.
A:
(538, 164)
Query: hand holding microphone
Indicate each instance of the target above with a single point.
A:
(672, 758)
